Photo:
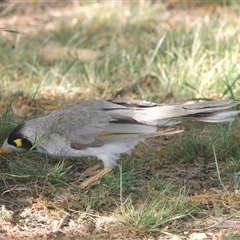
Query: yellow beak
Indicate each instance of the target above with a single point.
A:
(4, 150)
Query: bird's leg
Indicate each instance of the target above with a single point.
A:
(91, 171)
(90, 181)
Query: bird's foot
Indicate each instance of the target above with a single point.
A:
(94, 179)
(91, 171)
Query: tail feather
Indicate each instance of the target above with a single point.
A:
(168, 115)
(216, 105)
(224, 116)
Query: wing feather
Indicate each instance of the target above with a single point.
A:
(92, 122)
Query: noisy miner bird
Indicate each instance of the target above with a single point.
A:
(106, 129)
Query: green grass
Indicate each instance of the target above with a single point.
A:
(6, 123)
(155, 212)
(133, 43)
(193, 146)
(103, 50)
(231, 236)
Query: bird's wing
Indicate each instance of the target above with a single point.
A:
(123, 137)
(96, 121)
(80, 124)
(91, 123)
(129, 102)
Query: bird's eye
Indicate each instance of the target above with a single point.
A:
(22, 143)
(18, 142)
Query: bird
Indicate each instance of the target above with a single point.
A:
(107, 128)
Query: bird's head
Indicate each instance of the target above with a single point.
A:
(31, 135)
(17, 141)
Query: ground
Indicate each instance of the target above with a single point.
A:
(38, 208)
(37, 202)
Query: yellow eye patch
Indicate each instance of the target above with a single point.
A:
(18, 142)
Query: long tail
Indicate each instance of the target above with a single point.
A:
(214, 117)
(214, 111)
(168, 115)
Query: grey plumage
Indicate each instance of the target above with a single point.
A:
(106, 129)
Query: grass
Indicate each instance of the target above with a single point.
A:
(156, 212)
(131, 45)
(194, 145)
(104, 50)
